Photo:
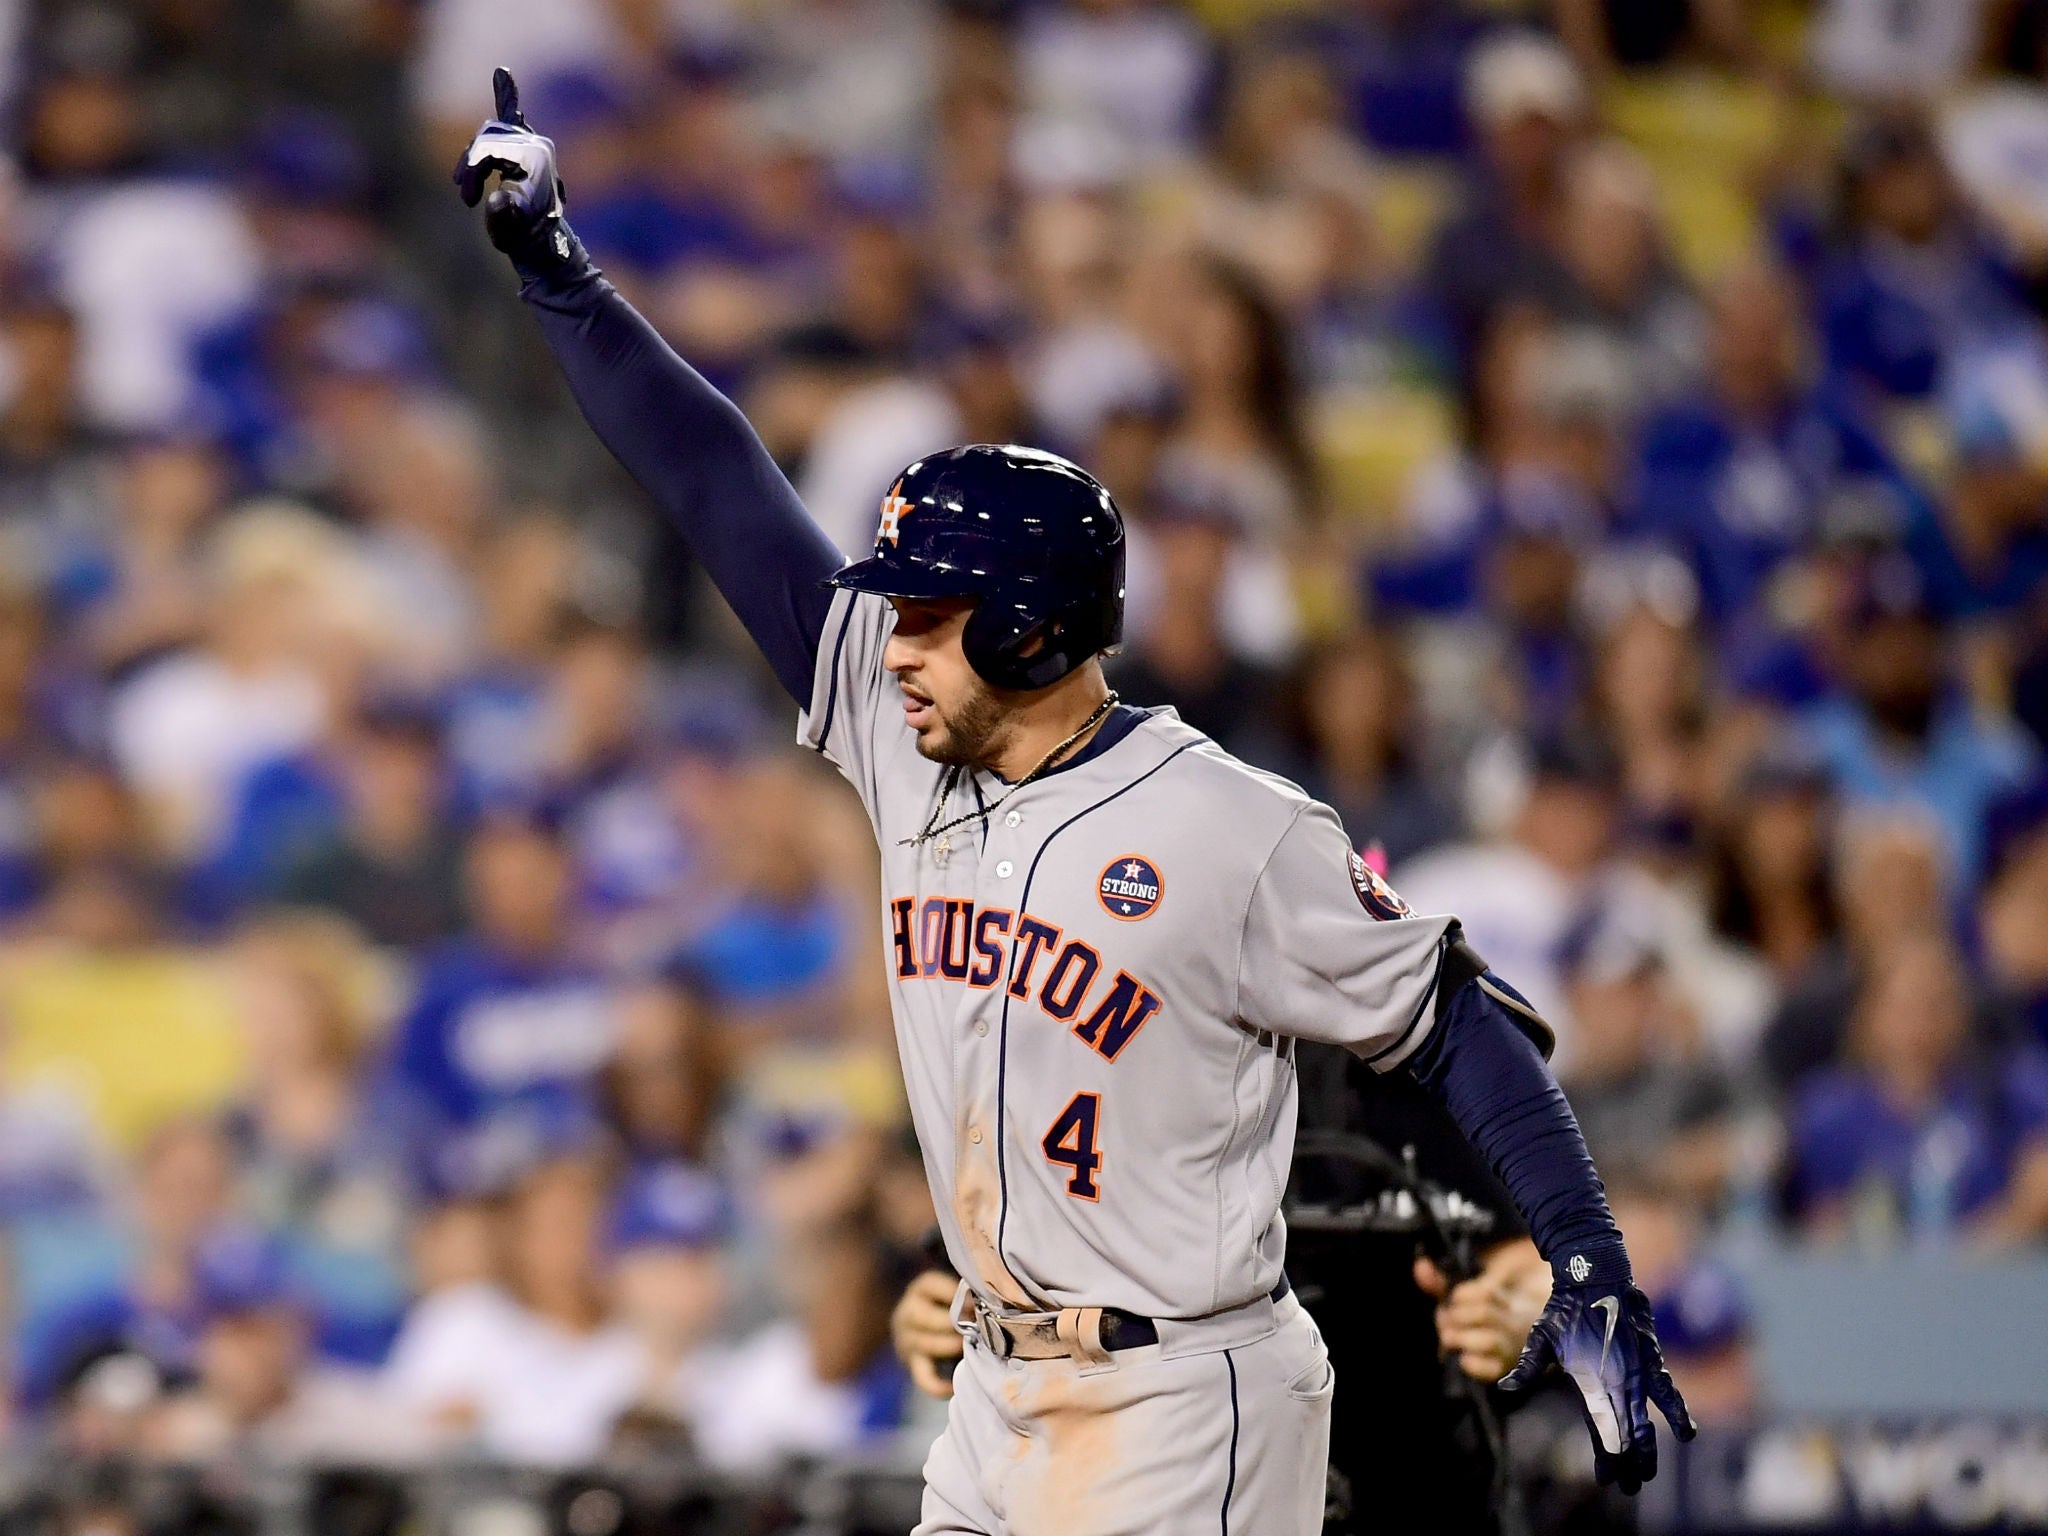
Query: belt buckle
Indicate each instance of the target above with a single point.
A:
(995, 1338)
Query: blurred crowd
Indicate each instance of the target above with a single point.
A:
(1600, 446)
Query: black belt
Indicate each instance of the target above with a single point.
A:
(1127, 1330)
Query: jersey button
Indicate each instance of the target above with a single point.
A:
(1014, 819)
(981, 1026)
(1004, 869)
(974, 1135)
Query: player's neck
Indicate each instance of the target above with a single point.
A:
(1045, 719)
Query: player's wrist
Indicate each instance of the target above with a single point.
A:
(549, 255)
(1599, 1263)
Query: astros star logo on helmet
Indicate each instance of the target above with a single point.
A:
(893, 508)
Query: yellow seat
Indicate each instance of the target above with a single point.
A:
(137, 1037)
(1704, 136)
(1370, 443)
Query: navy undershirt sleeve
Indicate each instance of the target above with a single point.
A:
(694, 452)
(1500, 1091)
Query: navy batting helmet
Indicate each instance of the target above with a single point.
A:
(1035, 539)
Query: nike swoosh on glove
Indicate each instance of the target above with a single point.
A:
(523, 215)
(1601, 1336)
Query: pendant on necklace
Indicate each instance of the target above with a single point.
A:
(942, 850)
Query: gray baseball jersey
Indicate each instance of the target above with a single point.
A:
(1096, 990)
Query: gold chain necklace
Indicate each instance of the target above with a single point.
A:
(943, 848)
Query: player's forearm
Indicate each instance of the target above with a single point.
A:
(1501, 1093)
(693, 451)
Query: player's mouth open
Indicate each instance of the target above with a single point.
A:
(918, 710)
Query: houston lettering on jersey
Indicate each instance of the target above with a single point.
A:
(949, 939)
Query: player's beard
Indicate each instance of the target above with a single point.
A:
(973, 733)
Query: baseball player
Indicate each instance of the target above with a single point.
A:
(1104, 937)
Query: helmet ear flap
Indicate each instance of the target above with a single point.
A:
(1035, 656)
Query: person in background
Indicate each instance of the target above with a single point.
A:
(1527, 106)
(1887, 880)
(1922, 1132)
(508, 1013)
(527, 577)
(1517, 893)
(390, 860)
(185, 730)
(314, 1170)
(1184, 659)
(144, 585)
(1735, 473)
(668, 1226)
(1769, 889)
(846, 1218)
(183, 1182)
(1357, 740)
(1653, 1104)
(1900, 733)
(658, 1090)
(1699, 1301)
(773, 963)
(1625, 287)
(1914, 287)
(535, 1372)
(2012, 915)
(256, 1390)
(1238, 453)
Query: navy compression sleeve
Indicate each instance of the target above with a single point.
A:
(693, 451)
(1500, 1091)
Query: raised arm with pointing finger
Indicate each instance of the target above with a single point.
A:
(690, 448)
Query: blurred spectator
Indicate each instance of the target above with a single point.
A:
(1400, 65)
(1110, 89)
(1869, 49)
(314, 1169)
(528, 577)
(1517, 895)
(1625, 287)
(1771, 892)
(1237, 456)
(1183, 659)
(1918, 1132)
(1887, 878)
(1913, 288)
(772, 963)
(1703, 1315)
(254, 1391)
(1653, 1106)
(2013, 915)
(1527, 104)
(507, 1014)
(657, 1088)
(143, 588)
(1356, 733)
(846, 1215)
(380, 851)
(533, 1373)
(186, 730)
(154, 1306)
(669, 1287)
(1901, 734)
(1735, 475)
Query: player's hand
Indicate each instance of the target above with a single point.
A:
(523, 214)
(1483, 1321)
(1601, 1336)
(922, 1329)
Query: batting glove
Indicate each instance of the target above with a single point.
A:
(1597, 1329)
(523, 215)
